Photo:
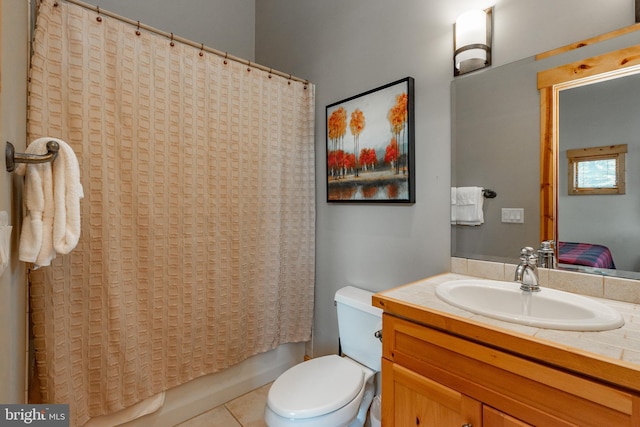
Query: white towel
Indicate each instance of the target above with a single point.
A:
(468, 206)
(52, 196)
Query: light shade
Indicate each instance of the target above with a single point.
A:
(472, 41)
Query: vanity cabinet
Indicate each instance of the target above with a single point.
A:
(420, 401)
(433, 377)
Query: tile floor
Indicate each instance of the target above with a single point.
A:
(244, 411)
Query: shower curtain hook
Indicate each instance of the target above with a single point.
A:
(172, 43)
(201, 49)
(138, 29)
(98, 18)
(270, 69)
(226, 54)
(249, 66)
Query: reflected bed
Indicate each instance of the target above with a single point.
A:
(586, 254)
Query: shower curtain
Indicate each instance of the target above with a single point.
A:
(197, 245)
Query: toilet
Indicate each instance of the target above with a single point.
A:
(333, 391)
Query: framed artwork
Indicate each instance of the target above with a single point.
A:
(370, 146)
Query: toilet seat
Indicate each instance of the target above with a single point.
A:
(316, 387)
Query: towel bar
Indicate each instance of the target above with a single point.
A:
(12, 157)
(489, 194)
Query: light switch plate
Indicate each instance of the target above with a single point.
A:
(513, 215)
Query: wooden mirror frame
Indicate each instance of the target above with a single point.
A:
(550, 83)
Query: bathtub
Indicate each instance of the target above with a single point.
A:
(205, 393)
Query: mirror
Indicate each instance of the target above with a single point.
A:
(499, 118)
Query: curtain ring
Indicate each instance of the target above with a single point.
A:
(289, 82)
(138, 29)
(226, 54)
(201, 49)
(98, 18)
(270, 72)
(249, 66)
(172, 43)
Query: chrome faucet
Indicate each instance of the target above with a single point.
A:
(546, 255)
(527, 270)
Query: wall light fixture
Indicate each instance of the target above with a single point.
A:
(472, 41)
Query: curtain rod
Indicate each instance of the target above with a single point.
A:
(182, 40)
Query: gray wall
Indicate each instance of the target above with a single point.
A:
(347, 47)
(13, 307)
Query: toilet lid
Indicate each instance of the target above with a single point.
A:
(315, 387)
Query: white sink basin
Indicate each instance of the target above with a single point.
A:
(549, 308)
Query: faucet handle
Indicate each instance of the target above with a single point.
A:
(546, 254)
(526, 252)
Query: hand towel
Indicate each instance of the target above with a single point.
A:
(36, 236)
(52, 197)
(469, 205)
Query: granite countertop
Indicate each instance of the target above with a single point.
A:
(620, 347)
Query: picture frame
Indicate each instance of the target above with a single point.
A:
(370, 145)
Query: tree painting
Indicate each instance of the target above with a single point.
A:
(381, 157)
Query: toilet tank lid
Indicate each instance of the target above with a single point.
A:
(357, 298)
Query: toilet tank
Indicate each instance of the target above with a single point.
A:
(358, 321)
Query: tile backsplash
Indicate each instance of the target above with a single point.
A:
(614, 288)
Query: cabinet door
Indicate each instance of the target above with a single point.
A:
(418, 401)
(493, 418)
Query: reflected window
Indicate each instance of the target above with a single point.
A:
(597, 170)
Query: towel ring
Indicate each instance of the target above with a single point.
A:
(12, 157)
